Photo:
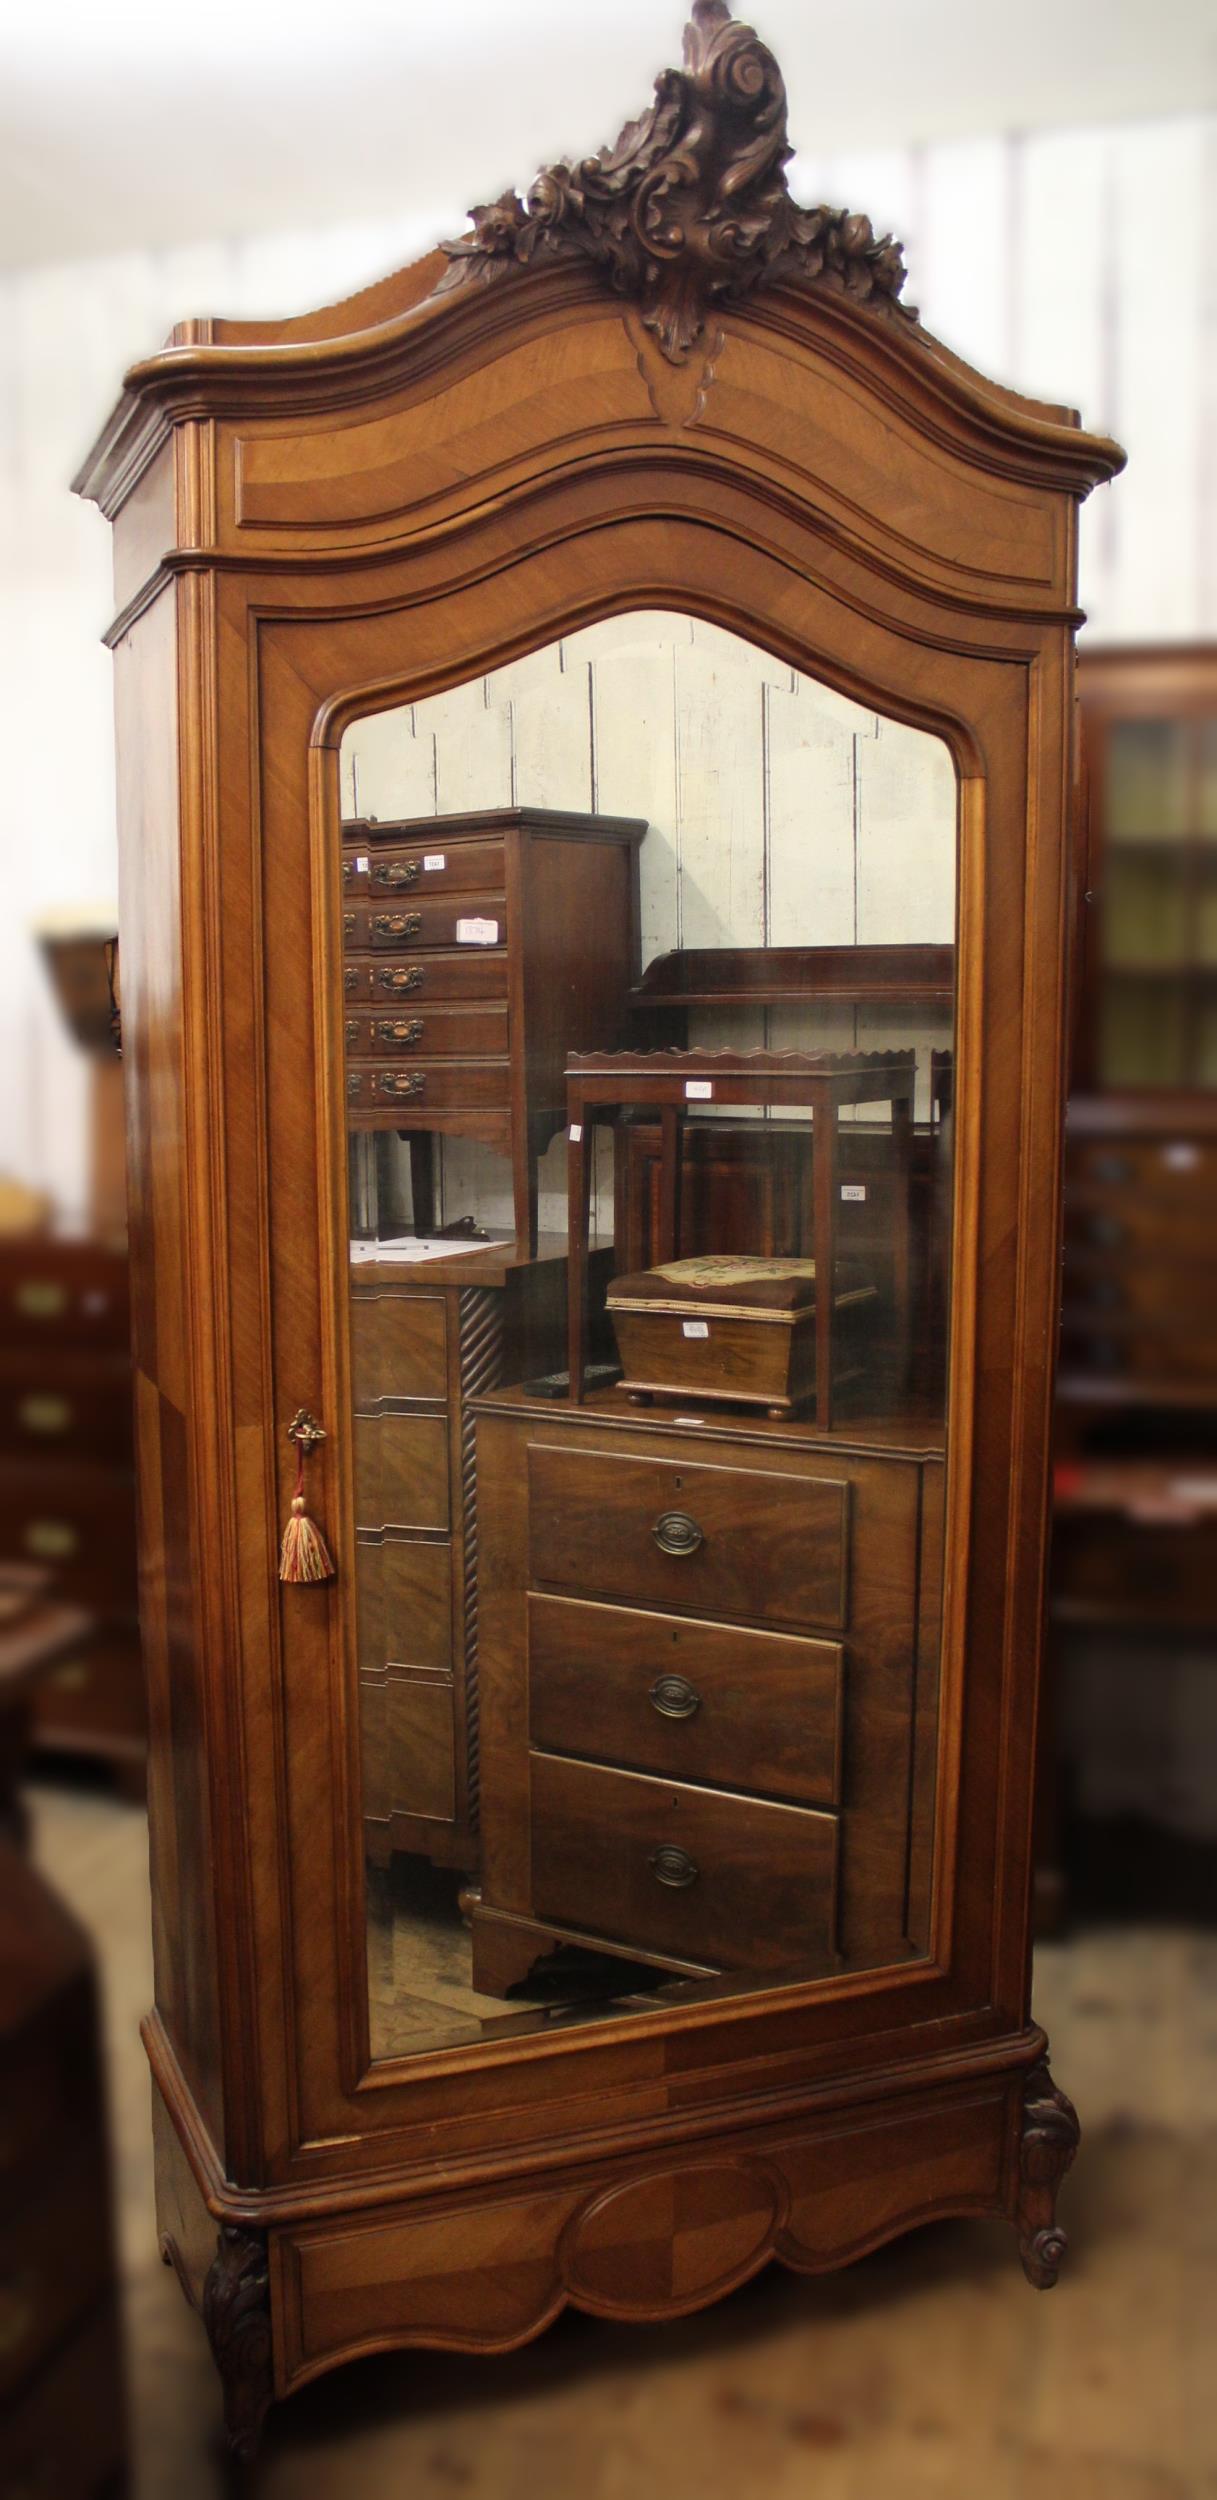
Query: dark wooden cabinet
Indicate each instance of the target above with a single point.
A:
(388, 504)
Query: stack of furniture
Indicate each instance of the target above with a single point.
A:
(477, 951)
(668, 1082)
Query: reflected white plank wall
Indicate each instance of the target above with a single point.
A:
(1080, 264)
(778, 812)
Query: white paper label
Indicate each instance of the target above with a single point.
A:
(363, 863)
(435, 859)
(699, 1089)
(575, 1132)
(1181, 1157)
(477, 932)
(853, 1189)
(695, 1328)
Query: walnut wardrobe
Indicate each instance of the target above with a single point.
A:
(614, 675)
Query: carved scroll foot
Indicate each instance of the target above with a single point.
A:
(236, 2314)
(1050, 2139)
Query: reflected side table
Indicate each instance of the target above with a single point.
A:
(676, 1081)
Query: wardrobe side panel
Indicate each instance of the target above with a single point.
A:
(184, 1942)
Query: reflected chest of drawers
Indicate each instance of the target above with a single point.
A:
(708, 1693)
(477, 950)
(424, 1343)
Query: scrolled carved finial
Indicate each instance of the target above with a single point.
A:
(690, 207)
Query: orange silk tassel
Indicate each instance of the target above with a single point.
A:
(304, 1556)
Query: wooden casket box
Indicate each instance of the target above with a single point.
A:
(734, 1328)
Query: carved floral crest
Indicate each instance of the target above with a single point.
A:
(690, 207)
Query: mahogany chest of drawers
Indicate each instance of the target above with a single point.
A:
(478, 949)
(67, 1486)
(707, 1691)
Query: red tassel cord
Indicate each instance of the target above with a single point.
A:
(304, 1557)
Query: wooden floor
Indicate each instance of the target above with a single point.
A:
(928, 2372)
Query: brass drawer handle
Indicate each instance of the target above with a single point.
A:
(52, 1540)
(354, 1085)
(673, 1867)
(351, 1031)
(674, 1697)
(41, 1412)
(352, 980)
(396, 924)
(395, 873)
(675, 1533)
(398, 1029)
(399, 1083)
(397, 979)
(348, 925)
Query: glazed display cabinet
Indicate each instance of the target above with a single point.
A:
(595, 723)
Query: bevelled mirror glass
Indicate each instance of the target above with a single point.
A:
(651, 908)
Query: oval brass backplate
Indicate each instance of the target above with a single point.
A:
(674, 1697)
(675, 1533)
(673, 1867)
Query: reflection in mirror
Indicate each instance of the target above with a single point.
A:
(648, 958)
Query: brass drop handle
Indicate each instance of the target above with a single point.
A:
(401, 1029)
(352, 1032)
(17, 2315)
(674, 1697)
(399, 1082)
(675, 1533)
(396, 924)
(395, 873)
(352, 980)
(398, 979)
(673, 1867)
(354, 1085)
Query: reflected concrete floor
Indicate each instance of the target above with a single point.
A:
(927, 2372)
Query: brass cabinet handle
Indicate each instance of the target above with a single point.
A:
(352, 980)
(354, 1085)
(673, 1867)
(351, 1030)
(400, 1029)
(674, 1697)
(395, 873)
(397, 1082)
(399, 924)
(675, 1533)
(397, 979)
(348, 924)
